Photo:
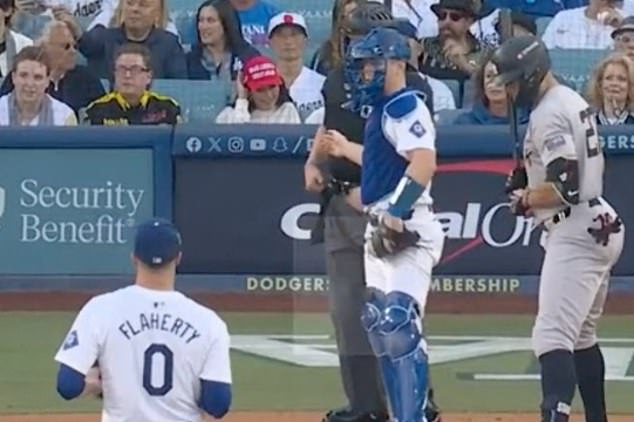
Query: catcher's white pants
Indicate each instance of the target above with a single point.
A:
(410, 270)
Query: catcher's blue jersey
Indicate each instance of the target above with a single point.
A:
(398, 123)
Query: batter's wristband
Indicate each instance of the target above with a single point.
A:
(406, 194)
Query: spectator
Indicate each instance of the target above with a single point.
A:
(69, 83)
(288, 34)
(262, 96)
(536, 7)
(584, 27)
(623, 37)
(454, 53)
(131, 102)
(111, 17)
(419, 14)
(85, 11)
(611, 90)
(443, 97)
(490, 106)
(12, 41)
(254, 20)
(488, 29)
(220, 49)
(331, 52)
(139, 24)
(29, 104)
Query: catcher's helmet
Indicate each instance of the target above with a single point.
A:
(378, 46)
(524, 59)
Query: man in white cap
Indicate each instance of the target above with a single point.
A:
(288, 34)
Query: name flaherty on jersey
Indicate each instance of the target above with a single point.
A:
(130, 328)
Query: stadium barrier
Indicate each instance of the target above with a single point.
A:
(69, 199)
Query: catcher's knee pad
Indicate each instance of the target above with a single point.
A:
(405, 347)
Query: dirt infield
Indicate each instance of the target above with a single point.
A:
(254, 302)
(305, 417)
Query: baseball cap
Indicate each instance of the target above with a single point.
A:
(287, 18)
(626, 25)
(518, 18)
(157, 242)
(260, 71)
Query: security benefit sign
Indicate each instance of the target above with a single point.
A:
(71, 211)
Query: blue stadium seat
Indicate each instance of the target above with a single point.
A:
(575, 65)
(200, 101)
(542, 23)
(448, 117)
(456, 90)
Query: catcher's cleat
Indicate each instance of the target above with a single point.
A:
(432, 411)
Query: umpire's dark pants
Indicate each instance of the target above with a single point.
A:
(343, 238)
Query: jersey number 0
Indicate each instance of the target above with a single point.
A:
(149, 358)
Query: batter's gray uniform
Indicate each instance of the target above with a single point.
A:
(576, 269)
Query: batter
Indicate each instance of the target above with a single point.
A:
(561, 185)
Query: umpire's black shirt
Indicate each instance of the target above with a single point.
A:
(351, 124)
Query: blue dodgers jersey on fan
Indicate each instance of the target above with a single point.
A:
(383, 167)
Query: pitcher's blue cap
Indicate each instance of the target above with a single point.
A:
(157, 242)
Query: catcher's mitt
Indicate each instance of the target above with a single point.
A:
(385, 241)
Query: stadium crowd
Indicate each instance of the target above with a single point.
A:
(116, 62)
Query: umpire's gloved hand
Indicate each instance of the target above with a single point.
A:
(389, 235)
(517, 179)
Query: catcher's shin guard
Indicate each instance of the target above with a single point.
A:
(403, 342)
(370, 319)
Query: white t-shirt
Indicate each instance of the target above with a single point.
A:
(419, 14)
(84, 10)
(572, 29)
(443, 97)
(153, 348)
(306, 92)
(63, 115)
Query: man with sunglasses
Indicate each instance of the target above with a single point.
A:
(70, 83)
(454, 52)
(131, 103)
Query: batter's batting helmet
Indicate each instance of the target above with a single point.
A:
(524, 59)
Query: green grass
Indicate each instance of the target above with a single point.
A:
(30, 339)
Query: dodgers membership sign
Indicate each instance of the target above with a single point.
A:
(72, 211)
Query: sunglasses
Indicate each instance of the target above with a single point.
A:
(454, 16)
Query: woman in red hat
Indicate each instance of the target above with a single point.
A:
(262, 96)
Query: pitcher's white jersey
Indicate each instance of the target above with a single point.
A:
(153, 348)
(563, 126)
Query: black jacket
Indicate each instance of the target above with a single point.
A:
(100, 44)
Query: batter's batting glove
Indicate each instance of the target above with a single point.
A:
(517, 203)
(385, 241)
(516, 180)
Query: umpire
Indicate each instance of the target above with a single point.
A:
(341, 227)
